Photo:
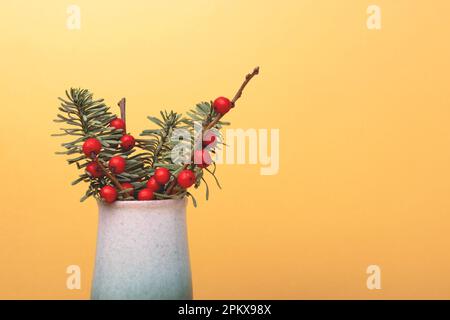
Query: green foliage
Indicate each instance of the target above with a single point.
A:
(159, 145)
(204, 114)
(85, 117)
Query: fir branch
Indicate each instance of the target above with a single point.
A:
(86, 118)
(160, 144)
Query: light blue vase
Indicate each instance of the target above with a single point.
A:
(142, 251)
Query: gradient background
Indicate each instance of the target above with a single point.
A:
(363, 116)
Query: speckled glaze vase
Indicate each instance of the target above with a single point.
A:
(142, 251)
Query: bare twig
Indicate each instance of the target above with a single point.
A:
(210, 125)
(109, 174)
(238, 94)
(248, 77)
(121, 105)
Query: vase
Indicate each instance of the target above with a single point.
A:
(142, 251)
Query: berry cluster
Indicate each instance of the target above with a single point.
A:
(91, 149)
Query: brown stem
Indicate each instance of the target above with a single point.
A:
(109, 175)
(248, 77)
(238, 94)
(121, 105)
(210, 125)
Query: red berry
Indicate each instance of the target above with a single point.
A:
(222, 105)
(117, 164)
(209, 140)
(108, 193)
(94, 170)
(91, 147)
(202, 158)
(186, 178)
(153, 185)
(162, 175)
(117, 123)
(127, 186)
(127, 142)
(145, 194)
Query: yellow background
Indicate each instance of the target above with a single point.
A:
(365, 142)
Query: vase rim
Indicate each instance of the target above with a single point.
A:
(144, 203)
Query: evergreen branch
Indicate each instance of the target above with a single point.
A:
(160, 144)
(86, 118)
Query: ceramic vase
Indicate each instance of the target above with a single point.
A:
(142, 251)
